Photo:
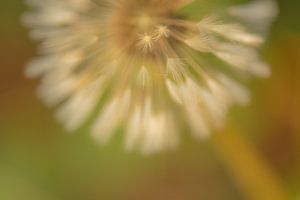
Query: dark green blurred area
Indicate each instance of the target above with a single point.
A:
(40, 161)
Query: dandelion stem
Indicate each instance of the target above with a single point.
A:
(249, 170)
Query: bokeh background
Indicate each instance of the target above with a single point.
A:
(256, 157)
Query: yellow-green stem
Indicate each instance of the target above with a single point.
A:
(249, 170)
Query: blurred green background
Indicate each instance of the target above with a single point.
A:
(40, 161)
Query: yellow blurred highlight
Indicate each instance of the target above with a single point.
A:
(252, 174)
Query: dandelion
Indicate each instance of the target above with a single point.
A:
(145, 67)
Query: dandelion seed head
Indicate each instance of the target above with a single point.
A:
(143, 66)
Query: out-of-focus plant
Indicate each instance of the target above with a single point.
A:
(151, 68)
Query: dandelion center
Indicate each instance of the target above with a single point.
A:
(143, 27)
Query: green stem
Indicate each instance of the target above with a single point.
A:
(251, 173)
